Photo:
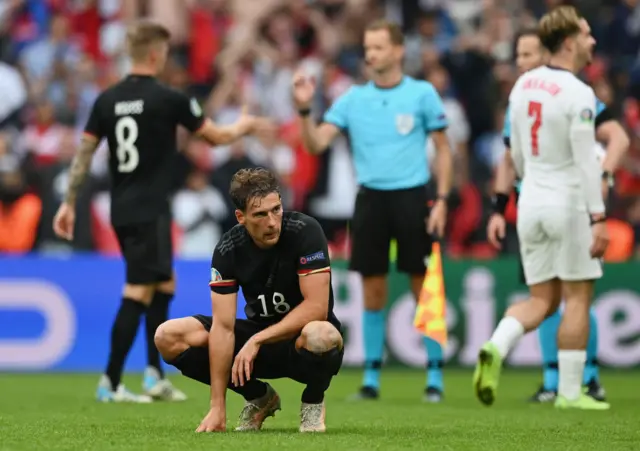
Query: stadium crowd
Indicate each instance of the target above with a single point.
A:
(57, 55)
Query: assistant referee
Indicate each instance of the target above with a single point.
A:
(387, 121)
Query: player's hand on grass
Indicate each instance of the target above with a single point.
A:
(243, 363)
(496, 230)
(304, 88)
(600, 239)
(215, 421)
(64, 221)
(437, 219)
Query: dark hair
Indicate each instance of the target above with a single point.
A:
(529, 31)
(144, 34)
(394, 30)
(558, 25)
(248, 184)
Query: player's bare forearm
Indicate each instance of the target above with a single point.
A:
(292, 324)
(445, 162)
(223, 134)
(221, 343)
(505, 174)
(617, 141)
(80, 168)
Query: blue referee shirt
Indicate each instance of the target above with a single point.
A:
(388, 130)
(506, 129)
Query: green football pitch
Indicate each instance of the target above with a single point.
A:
(57, 411)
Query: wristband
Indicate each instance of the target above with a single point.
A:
(608, 177)
(304, 112)
(600, 217)
(500, 202)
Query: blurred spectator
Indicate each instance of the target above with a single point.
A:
(19, 209)
(43, 137)
(198, 210)
(13, 93)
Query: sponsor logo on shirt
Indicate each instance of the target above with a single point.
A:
(312, 258)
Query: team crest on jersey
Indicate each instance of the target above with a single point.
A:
(195, 108)
(404, 123)
(586, 115)
(215, 275)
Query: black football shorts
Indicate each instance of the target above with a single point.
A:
(147, 249)
(380, 216)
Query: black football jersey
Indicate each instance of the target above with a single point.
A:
(138, 116)
(270, 278)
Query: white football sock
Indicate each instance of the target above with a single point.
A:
(570, 369)
(507, 334)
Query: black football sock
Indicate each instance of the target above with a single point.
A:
(194, 364)
(326, 366)
(157, 313)
(123, 333)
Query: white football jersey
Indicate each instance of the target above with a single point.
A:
(553, 145)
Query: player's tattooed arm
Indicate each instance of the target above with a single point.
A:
(80, 167)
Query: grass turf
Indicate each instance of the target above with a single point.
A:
(57, 411)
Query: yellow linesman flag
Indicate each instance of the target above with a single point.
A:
(431, 313)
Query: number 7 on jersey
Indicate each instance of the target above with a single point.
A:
(535, 111)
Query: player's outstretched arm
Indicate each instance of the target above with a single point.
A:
(217, 135)
(315, 289)
(221, 343)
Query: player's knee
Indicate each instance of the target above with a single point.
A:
(319, 337)
(171, 338)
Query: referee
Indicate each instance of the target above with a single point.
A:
(387, 121)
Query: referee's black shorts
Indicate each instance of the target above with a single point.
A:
(380, 216)
(147, 249)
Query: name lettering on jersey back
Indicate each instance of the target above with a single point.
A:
(544, 85)
(129, 108)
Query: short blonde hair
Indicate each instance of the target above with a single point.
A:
(557, 25)
(394, 30)
(144, 34)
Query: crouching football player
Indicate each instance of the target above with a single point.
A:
(281, 261)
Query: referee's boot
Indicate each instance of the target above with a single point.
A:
(160, 389)
(257, 410)
(543, 395)
(365, 393)
(433, 395)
